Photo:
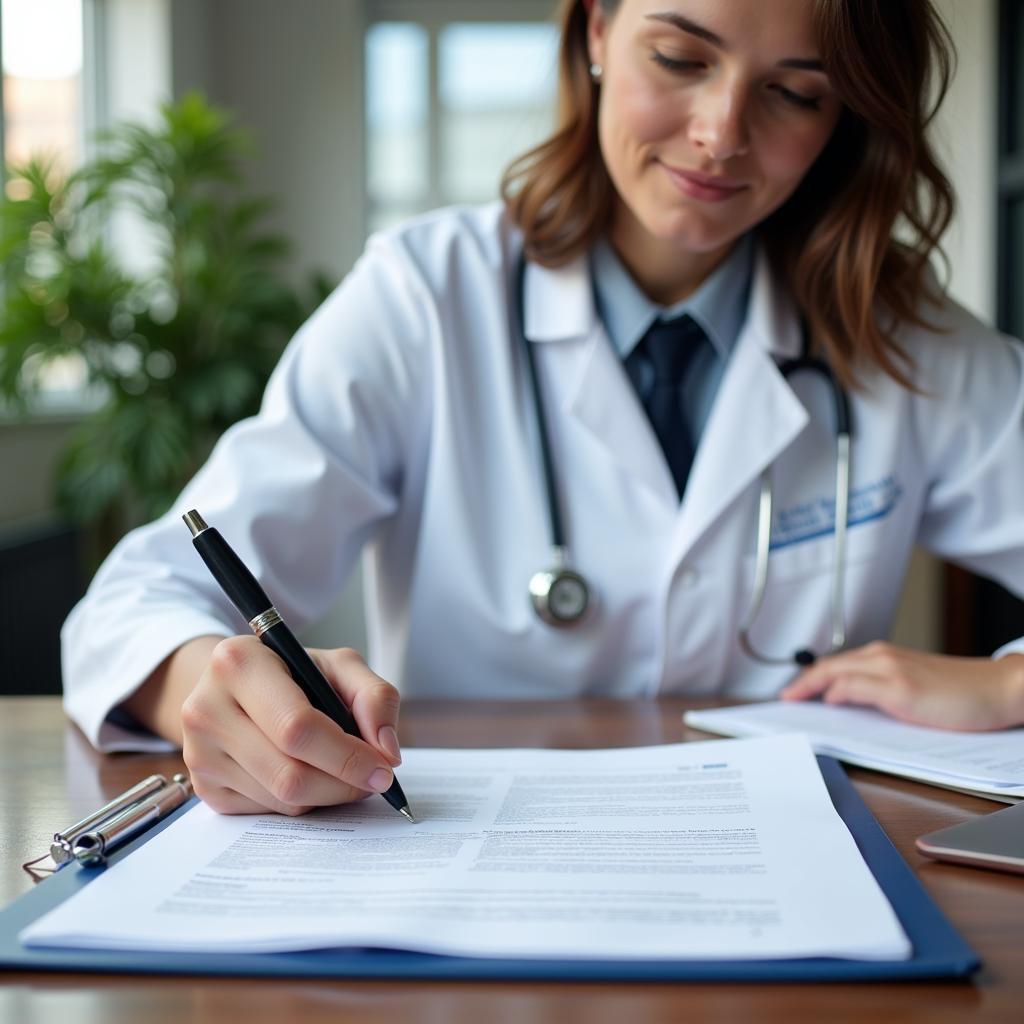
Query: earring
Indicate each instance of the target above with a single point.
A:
(595, 72)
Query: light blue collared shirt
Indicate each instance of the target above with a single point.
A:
(719, 306)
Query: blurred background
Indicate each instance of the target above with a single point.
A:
(359, 113)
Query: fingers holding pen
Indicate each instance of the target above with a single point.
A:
(373, 701)
(258, 772)
(213, 723)
(222, 783)
(274, 742)
(283, 714)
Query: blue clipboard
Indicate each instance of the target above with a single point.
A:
(939, 951)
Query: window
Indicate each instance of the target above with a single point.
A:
(43, 96)
(44, 103)
(452, 96)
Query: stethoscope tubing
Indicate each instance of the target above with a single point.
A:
(541, 581)
(554, 510)
(843, 430)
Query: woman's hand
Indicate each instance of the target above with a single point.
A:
(253, 742)
(925, 689)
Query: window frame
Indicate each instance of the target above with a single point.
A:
(68, 405)
(1010, 164)
(93, 106)
(434, 16)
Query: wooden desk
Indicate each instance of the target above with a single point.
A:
(49, 776)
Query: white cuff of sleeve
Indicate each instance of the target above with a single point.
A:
(90, 697)
(114, 739)
(1013, 647)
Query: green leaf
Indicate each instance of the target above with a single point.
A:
(184, 345)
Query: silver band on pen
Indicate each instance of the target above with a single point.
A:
(264, 621)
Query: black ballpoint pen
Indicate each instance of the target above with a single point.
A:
(265, 621)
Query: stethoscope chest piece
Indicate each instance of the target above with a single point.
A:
(559, 596)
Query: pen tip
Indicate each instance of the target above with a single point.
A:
(405, 811)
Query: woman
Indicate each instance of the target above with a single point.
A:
(743, 163)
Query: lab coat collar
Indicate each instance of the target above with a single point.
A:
(772, 315)
(559, 305)
(586, 376)
(755, 416)
(559, 301)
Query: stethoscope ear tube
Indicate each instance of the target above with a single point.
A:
(560, 596)
(843, 422)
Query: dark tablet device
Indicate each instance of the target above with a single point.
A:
(992, 841)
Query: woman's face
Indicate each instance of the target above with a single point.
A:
(711, 112)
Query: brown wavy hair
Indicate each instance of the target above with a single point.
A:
(890, 62)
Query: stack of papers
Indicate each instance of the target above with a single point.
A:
(987, 764)
(719, 850)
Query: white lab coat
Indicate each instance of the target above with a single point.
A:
(399, 424)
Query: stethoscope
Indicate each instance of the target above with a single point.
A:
(561, 596)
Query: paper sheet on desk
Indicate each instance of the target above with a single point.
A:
(726, 849)
(982, 762)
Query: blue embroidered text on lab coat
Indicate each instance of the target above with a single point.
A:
(816, 518)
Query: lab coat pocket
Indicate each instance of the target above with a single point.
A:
(796, 611)
(815, 556)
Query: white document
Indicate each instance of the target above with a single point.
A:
(725, 849)
(980, 762)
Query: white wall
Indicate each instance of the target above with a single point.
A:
(293, 74)
(137, 47)
(965, 136)
(28, 455)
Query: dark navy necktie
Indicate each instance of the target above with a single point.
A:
(668, 349)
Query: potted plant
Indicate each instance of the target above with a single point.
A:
(175, 350)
